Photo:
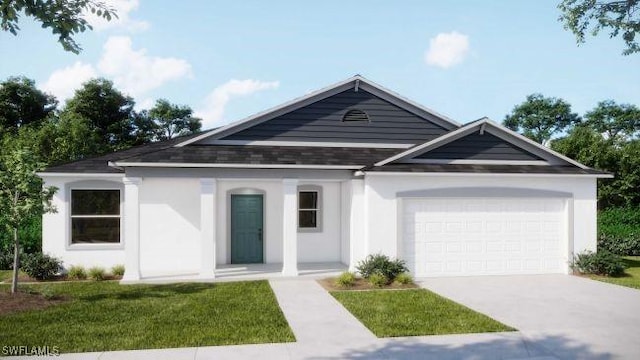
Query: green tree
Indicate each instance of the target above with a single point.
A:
(592, 16)
(106, 111)
(21, 103)
(22, 195)
(540, 118)
(615, 120)
(66, 18)
(173, 120)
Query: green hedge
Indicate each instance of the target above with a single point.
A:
(619, 230)
(30, 237)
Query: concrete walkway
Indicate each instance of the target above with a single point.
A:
(325, 330)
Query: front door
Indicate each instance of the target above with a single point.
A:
(246, 229)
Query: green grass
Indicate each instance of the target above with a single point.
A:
(414, 312)
(105, 316)
(631, 276)
(5, 275)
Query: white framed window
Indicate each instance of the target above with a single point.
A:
(309, 208)
(95, 216)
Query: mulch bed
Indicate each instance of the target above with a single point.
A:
(361, 284)
(24, 278)
(24, 301)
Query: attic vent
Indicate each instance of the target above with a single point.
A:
(355, 115)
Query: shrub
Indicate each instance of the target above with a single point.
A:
(77, 273)
(346, 279)
(117, 270)
(404, 279)
(6, 260)
(599, 263)
(377, 280)
(40, 266)
(97, 273)
(48, 293)
(381, 265)
(629, 245)
(619, 230)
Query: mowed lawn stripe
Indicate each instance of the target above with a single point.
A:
(390, 313)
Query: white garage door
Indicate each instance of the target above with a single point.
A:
(484, 236)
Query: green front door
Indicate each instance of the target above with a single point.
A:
(246, 229)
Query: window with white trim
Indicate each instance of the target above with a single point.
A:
(309, 212)
(95, 216)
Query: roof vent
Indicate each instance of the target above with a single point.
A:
(355, 115)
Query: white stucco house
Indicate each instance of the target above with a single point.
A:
(349, 170)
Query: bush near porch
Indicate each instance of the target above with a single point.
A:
(105, 316)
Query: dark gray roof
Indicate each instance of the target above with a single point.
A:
(100, 164)
(263, 155)
(482, 168)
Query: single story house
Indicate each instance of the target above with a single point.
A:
(350, 170)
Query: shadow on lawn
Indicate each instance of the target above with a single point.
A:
(509, 347)
(137, 292)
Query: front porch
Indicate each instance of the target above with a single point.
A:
(244, 272)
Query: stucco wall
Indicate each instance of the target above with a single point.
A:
(324, 245)
(382, 206)
(56, 235)
(169, 226)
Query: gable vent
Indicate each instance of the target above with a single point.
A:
(355, 115)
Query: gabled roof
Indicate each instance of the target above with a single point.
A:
(355, 82)
(482, 125)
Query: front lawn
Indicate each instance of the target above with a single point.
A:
(5, 275)
(104, 316)
(412, 312)
(631, 277)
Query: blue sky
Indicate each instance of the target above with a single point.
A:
(230, 59)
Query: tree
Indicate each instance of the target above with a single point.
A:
(620, 17)
(540, 118)
(21, 103)
(66, 18)
(106, 111)
(614, 120)
(22, 195)
(173, 120)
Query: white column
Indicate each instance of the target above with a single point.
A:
(290, 227)
(208, 227)
(131, 229)
(357, 224)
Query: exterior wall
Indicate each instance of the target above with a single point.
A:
(56, 228)
(324, 245)
(169, 226)
(383, 206)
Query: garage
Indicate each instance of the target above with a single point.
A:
(484, 236)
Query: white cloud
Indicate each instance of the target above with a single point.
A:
(63, 82)
(447, 49)
(134, 71)
(212, 110)
(123, 21)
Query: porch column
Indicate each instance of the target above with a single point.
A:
(131, 229)
(208, 228)
(357, 224)
(290, 227)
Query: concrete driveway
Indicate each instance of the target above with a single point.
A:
(566, 317)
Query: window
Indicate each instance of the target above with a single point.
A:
(355, 115)
(309, 209)
(95, 216)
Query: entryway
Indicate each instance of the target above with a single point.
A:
(247, 229)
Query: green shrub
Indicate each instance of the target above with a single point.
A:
(377, 280)
(77, 273)
(404, 279)
(346, 279)
(48, 293)
(6, 260)
(117, 270)
(381, 264)
(97, 273)
(619, 230)
(40, 266)
(599, 263)
(30, 234)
